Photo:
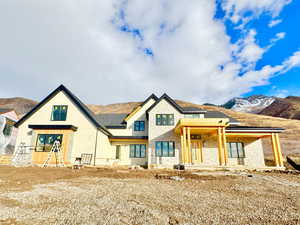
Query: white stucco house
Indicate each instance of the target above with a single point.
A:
(157, 133)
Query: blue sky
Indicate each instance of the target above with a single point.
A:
(289, 82)
(123, 50)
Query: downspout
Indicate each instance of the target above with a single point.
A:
(95, 152)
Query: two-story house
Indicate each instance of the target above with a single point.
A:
(157, 133)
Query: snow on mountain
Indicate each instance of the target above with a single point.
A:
(251, 104)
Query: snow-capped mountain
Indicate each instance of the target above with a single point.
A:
(251, 104)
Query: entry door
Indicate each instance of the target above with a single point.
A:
(196, 151)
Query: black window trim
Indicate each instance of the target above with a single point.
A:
(139, 122)
(135, 150)
(52, 117)
(229, 150)
(43, 148)
(161, 115)
(161, 146)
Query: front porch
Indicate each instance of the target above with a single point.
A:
(212, 143)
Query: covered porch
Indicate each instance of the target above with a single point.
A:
(196, 133)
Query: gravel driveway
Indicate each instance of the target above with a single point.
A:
(209, 199)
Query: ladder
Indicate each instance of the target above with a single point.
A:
(22, 155)
(57, 152)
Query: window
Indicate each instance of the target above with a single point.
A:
(118, 151)
(45, 141)
(139, 125)
(191, 115)
(137, 151)
(164, 119)
(59, 113)
(165, 148)
(8, 127)
(235, 150)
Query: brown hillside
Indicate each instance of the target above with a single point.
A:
(288, 107)
(20, 105)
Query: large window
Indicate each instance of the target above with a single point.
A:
(137, 151)
(45, 141)
(191, 115)
(59, 113)
(139, 125)
(235, 150)
(165, 148)
(164, 119)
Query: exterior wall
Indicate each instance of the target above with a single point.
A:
(125, 150)
(140, 115)
(84, 138)
(163, 133)
(254, 154)
(210, 152)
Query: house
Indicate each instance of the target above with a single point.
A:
(8, 133)
(157, 133)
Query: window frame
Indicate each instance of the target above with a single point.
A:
(8, 128)
(139, 127)
(169, 121)
(239, 148)
(60, 113)
(43, 147)
(159, 147)
(138, 149)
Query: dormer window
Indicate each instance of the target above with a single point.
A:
(59, 113)
(139, 125)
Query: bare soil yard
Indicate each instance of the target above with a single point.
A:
(119, 196)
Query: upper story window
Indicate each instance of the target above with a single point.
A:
(164, 119)
(235, 150)
(191, 115)
(139, 125)
(59, 113)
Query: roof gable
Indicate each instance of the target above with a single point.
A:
(135, 110)
(175, 105)
(82, 107)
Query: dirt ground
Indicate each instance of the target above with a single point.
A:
(119, 196)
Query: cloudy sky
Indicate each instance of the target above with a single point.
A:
(112, 51)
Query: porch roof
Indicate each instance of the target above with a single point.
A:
(53, 127)
(205, 123)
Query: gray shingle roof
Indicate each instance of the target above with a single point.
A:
(217, 114)
(108, 120)
(191, 109)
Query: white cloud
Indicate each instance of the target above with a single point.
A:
(79, 43)
(237, 9)
(274, 22)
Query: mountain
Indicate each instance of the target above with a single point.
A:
(290, 138)
(251, 104)
(20, 105)
(288, 107)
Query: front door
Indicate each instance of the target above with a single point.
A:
(196, 151)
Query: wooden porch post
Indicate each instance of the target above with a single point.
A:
(225, 146)
(182, 146)
(220, 147)
(274, 148)
(279, 152)
(189, 145)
